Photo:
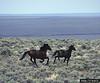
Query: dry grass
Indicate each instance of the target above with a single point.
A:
(84, 62)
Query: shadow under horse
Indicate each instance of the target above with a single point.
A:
(64, 53)
(38, 54)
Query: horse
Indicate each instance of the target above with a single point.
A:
(64, 53)
(38, 54)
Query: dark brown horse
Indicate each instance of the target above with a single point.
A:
(64, 53)
(38, 54)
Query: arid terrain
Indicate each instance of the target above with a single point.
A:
(84, 62)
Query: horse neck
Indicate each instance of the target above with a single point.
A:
(69, 50)
(43, 49)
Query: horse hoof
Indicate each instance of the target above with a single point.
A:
(53, 62)
(36, 66)
(47, 64)
(41, 61)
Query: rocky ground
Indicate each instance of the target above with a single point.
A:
(84, 63)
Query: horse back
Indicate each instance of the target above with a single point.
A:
(37, 54)
(62, 53)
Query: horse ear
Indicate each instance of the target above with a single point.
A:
(45, 44)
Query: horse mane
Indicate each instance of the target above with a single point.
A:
(42, 48)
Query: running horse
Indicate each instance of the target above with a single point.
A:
(64, 53)
(38, 54)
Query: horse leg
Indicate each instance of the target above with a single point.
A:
(65, 59)
(55, 59)
(47, 60)
(42, 61)
(31, 60)
(58, 58)
(35, 61)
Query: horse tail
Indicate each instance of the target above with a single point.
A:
(55, 53)
(23, 55)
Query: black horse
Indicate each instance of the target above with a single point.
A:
(38, 54)
(64, 53)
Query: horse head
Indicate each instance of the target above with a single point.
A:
(46, 46)
(72, 47)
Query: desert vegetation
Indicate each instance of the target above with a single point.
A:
(84, 62)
